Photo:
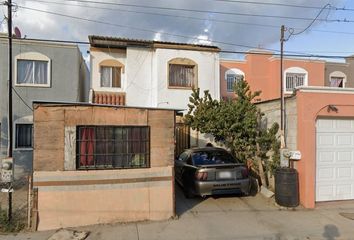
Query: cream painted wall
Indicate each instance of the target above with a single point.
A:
(99, 56)
(145, 79)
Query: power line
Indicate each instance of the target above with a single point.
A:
(23, 101)
(222, 51)
(272, 4)
(136, 28)
(157, 14)
(204, 11)
(187, 17)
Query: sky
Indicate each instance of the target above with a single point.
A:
(229, 24)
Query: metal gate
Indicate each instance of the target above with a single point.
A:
(182, 138)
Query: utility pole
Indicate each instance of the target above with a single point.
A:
(10, 130)
(282, 100)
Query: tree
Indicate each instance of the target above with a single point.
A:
(235, 123)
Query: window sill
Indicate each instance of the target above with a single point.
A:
(33, 85)
(23, 149)
(179, 88)
(108, 168)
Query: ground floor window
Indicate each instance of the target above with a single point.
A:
(102, 147)
(24, 134)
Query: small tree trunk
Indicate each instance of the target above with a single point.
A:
(260, 168)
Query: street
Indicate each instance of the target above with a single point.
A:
(233, 217)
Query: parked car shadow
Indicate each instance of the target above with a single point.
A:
(184, 204)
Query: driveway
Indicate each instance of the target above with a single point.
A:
(229, 218)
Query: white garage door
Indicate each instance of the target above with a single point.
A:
(335, 160)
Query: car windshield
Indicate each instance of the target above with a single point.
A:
(212, 157)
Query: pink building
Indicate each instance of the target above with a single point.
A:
(262, 71)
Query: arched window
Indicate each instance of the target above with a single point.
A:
(182, 73)
(232, 76)
(111, 73)
(337, 79)
(294, 77)
(32, 69)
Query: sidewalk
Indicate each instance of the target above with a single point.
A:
(229, 218)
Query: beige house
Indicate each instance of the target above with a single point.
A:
(101, 164)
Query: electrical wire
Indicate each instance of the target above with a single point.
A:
(138, 29)
(187, 17)
(222, 51)
(273, 4)
(310, 25)
(23, 101)
(205, 11)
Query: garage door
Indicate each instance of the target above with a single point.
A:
(335, 159)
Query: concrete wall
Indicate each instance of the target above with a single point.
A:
(65, 86)
(68, 198)
(271, 110)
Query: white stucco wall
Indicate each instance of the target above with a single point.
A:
(145, 80)
(208, 75)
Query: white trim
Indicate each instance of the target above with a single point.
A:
(234, 71)
(294, 70)
(326, 90)
(33, 56)
(338, 74)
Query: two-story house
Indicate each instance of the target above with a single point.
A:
(152, 74)
(41, 71)
(262, 71)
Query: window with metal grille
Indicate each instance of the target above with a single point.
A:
(181, 75)
(294, 80)
(232, 79)
(337, 82)
(111, 77)
(107, 147)
(24, 135)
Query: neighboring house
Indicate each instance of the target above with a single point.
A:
(340, 74)
(262, 71)
(152, 74)
(41, 71)
(101, 164)
(320, 123)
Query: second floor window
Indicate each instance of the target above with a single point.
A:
(232, 79)
(293, 80)
(181, 75)
(337, 82)
(111, 77)
(32, 72)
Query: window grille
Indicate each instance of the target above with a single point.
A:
(232, 79)
(181, 75)
(108, 147)
(294, 80)
(24, 134)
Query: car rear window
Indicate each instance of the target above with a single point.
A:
(212, 157)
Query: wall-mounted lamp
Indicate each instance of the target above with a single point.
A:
(332, 108)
